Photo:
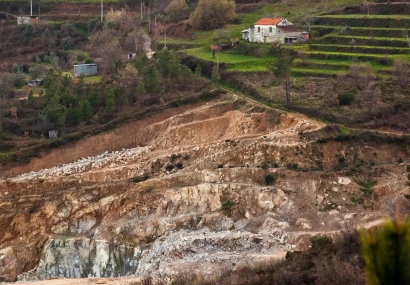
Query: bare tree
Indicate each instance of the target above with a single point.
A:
(366, 3)
(401, 71)
(308, 20)
(361, 73)
(106, 47)
(405, 34)
(129, 80)
(6, 84)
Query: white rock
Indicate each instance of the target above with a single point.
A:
(304, 223)
(333, 212)
(344, 180)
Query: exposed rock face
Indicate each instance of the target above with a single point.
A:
(225, 184)
(83, 257)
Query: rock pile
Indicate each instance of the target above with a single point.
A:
(106, 159)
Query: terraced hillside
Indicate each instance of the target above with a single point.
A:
(352, 35)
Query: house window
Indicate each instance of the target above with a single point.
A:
(270, 29)
(259, 29)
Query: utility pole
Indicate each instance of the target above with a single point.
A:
(31, 7)
(102, 11)
(141, 9)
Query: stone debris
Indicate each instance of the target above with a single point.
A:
(106, 159)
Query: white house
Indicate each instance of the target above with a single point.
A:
(24, 20)
(268, 30)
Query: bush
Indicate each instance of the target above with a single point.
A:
(270, 178)
(345, 99)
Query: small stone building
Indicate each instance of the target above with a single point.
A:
(24, 20)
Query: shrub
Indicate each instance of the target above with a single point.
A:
(270, 178)
(345, 99)
(386, 253)
(293, 166)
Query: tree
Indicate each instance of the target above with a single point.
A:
(198, 71)
(30, 98)
(110, 103)
(361, 73)
(152, 79)
(105, 45)
(19, 80)
(308, 20)
(141, 89)
(66, 43)
(282, 68)
(85, 111)
(37, 71)
(386, 253)
(215, 76)
(401, 71)
(213, 14)
(129, 79)
(6, 84)
(177, 10)
(68, 29)
(56, 113)
(405, 34)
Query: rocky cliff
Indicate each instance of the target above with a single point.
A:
(191, 190)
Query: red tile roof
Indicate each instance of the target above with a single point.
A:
(289, 29)
(269, 21)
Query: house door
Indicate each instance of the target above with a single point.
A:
(265, 39)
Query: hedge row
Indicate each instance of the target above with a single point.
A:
(363, 21)
(359, 49)
(346, 57)
(206, 66)
(357, 31)
(345, 40)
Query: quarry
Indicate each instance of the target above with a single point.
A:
(195, 189)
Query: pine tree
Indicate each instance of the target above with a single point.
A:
(152, 79)
(386, 253)
(215, 74)
(198, 71)
(84, 110)
(30, 98)
(141, 89)
(168, 87)
(110, 103)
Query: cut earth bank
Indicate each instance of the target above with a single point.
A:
(193, 190)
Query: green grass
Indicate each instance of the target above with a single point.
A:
(6, 156)
(90, 79)
(233, 61)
